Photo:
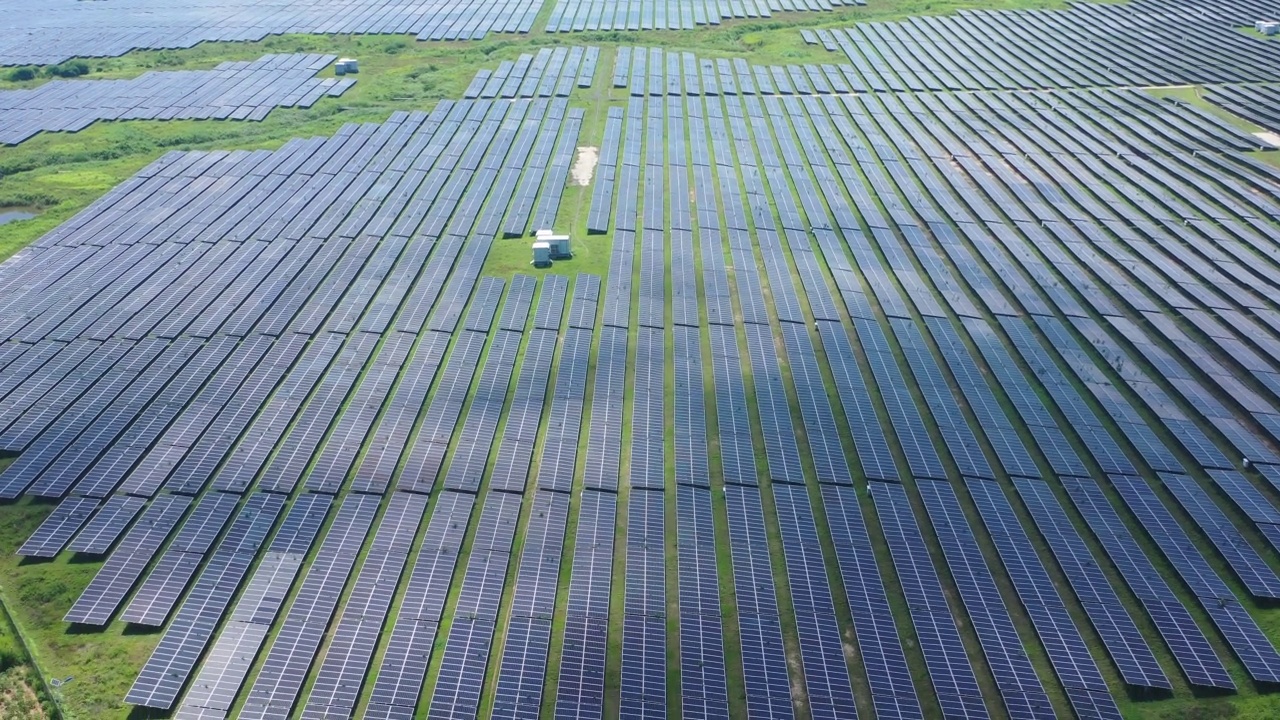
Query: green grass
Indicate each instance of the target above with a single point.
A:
(23, 692)
(1253, 33)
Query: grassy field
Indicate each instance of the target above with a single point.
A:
(61, 173)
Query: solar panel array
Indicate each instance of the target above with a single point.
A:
(1190, 648)
(67, 29)
(954, 683)
(1240, 631)
(1130, 652)
(351, 476)
(548, 73)
(1021, 690)
(591, 15)
(1255, 103)
(1075, 667)
(230, 91)
(213, 691)
(1087, 45)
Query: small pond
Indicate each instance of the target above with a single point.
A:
(8, 215)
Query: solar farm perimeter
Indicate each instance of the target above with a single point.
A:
(914, 366)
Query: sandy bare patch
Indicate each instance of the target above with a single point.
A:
(584, 166)
(1270, 138)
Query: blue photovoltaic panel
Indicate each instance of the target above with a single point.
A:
(58, 527)
(1128, 650)
(1240, 631)
(97, 536)
(128, 561)
(952, 675)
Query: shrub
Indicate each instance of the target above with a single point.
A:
(70, 69)
(22, 74)
(11, 653)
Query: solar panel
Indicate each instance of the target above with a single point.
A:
(892, 692)
(826, 675)
(1248, 565)
(1241, 634)
(466, 650)
(125, 565)
(98, 535)
(280, 677)
(250, 89)
(1064, 645)
(580, 688)
(338, 679)
(1189, 646)
(953, 678)
(58, 527)
(1125, 644)
(172, 662)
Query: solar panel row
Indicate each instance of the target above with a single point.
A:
(524, 664)
(403, 668)
(185, 639)
(1190, 648)
(892, 692)
(352, 641)
(59, 527)
(1239, 630)
(332, 463)
(703, 691)
(474, 618)
(954, 682)
(592, 15)
(471, 451)
(162, 589)
(213, 691)
(514, 457)
(549, 73)
(644, 625)
(580, 687)
(1250, 500)
(1020, 688)
(604, 432)
(598, 219)
(1116, 629)
(559, 451)
(826, 676)
(126, 564)
(70, 30)
(1244, 560)
(284, 669)
(1063, 643)
(232, 90)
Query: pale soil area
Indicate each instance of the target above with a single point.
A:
(584, 166)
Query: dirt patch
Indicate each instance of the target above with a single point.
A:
(1270, 138)
(584, 166)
